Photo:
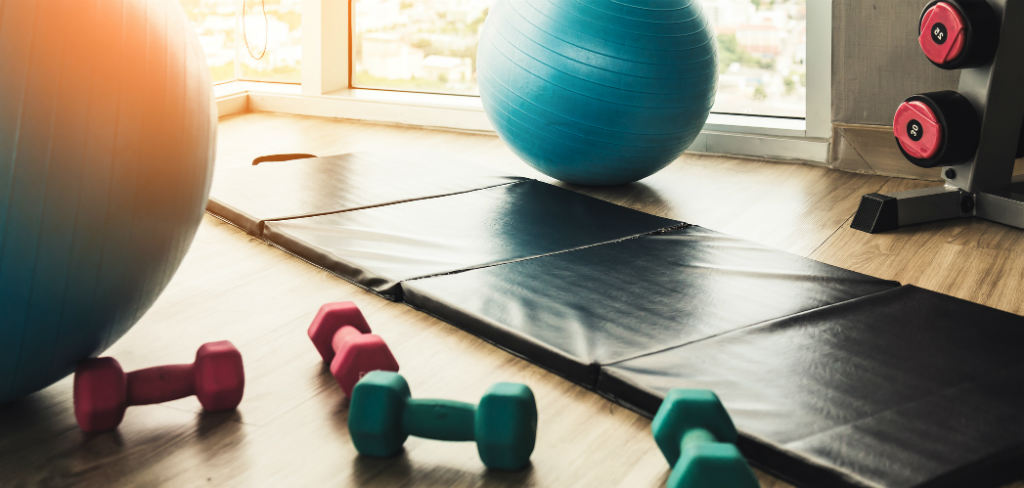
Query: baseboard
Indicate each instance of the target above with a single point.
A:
(871, 149)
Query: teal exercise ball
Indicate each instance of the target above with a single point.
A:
(597, 92)
(106, 149)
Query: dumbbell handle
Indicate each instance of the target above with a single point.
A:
(342, 335)
(160, 384)
(444, 420)
(697, 436)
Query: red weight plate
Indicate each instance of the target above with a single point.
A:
(943, 33)
(918, 129)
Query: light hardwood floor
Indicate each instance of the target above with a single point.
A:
(290, 429)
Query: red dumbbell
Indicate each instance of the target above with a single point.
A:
(958, 33)
(103, 391)
(344, 340)
(933, 129)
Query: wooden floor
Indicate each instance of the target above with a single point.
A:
(290, 429)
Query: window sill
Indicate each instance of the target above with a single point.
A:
(743, 135)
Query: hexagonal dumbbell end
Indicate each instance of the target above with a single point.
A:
(711, 465)
(329, 319)
(344, 340)
(506, 426)
(375, 414)
(696, 436)
(100, 394)
(219, 376)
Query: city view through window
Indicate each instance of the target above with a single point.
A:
(269, 50)
(431, 46)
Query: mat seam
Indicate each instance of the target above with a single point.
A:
(662, 230)
(951, 389)
(762, 323)
(523, 356)
(262, 223)
(395, 299)
(853, 423)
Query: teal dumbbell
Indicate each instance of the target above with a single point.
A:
(382, 415)
(697, 437)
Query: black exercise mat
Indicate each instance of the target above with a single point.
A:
(834, 378)
(906, 387)
(381, 246)
(250, 196)
(574, 311)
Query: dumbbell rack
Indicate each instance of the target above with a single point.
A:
(983, 186)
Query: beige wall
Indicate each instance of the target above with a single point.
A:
(876, 62)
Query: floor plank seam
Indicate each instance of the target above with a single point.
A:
(842, 226)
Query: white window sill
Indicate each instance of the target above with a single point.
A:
(744, 135)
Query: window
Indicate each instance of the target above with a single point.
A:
(214, 21)
(774, 92)
(258, 40)
(762, 52)
(417, 46)
(431, 47)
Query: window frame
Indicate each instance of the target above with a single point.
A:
(326, 90)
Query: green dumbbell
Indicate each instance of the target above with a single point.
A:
(382, 415)
(697, 437)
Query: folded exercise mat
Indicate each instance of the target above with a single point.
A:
(381, 246)
(833, 378)
(250, 196)
(574, 311)
(905, 387)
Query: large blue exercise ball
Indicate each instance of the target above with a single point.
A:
(597, 92)
(106, 149)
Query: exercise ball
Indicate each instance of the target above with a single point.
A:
(106, 149)
(597, 92)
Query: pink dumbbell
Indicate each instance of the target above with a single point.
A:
(344, 340)
(103, 391)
